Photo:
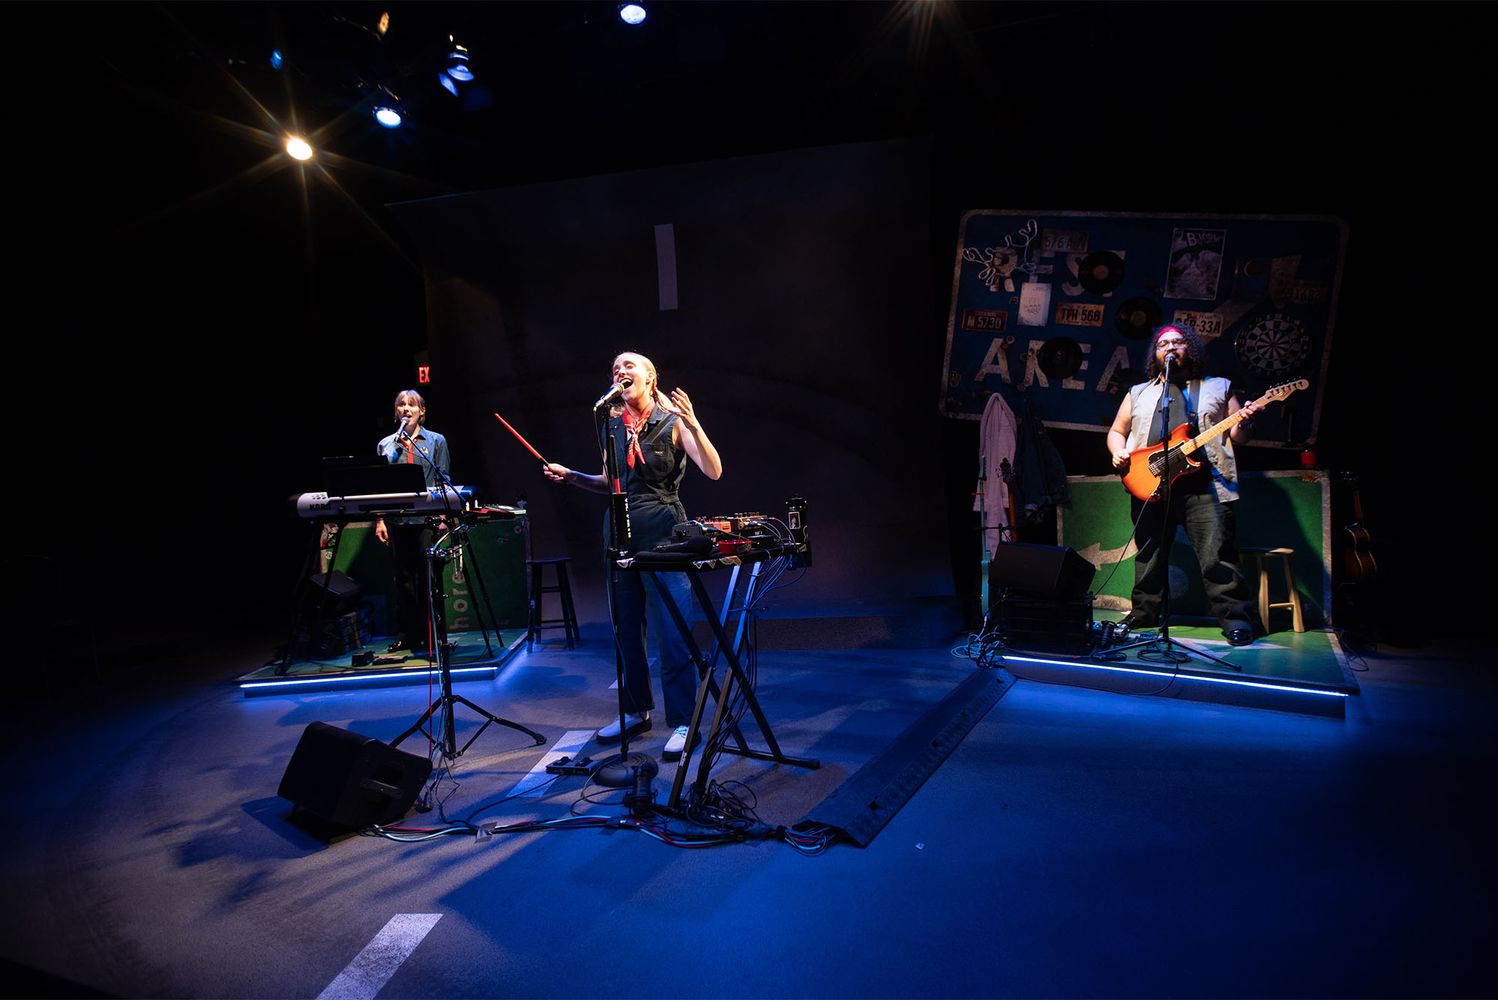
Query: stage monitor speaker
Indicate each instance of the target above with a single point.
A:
(351, 781)
(1050, 572)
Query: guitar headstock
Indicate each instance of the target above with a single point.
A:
(1286, 388)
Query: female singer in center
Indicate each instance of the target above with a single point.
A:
(656, 435)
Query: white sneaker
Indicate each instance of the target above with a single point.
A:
(636, 723)
(676, 744)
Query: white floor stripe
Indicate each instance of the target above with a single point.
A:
(571, 742)
(372, 968)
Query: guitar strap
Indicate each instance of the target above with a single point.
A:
(1190, 393)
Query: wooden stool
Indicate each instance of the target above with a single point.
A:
(563, 588)
(1261, 557)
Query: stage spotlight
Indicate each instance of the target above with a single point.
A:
(447, 83)
(297, 148)
(457, 62)
(387, 107)
(632, 13)
(277, 60)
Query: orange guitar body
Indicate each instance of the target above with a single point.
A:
(1147, 466)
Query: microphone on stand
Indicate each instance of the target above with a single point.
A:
(395, 440)
(615, 391)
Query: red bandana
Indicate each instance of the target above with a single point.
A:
(632, 425)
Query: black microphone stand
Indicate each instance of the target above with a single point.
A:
(624, 768)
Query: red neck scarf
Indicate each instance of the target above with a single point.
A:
(632, 426)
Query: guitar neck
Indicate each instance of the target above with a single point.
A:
(1219, 428)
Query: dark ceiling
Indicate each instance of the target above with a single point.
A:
(566, 88)
(1061, 94)
(170, 109)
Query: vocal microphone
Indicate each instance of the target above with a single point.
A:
(1171, 357)
(614, 392)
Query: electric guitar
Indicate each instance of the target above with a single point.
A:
(1171, 459)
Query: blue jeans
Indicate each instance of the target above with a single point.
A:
(638, 608)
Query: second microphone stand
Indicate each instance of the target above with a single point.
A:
(437, 556)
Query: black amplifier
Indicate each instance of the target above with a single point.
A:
(1037, 626)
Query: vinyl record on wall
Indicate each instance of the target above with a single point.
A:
(1137, 318)
(1059, 357)
(1101, 272)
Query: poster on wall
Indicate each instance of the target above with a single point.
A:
(1057, 309)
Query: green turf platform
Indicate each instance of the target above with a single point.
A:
(471, 659)
(1300, 672)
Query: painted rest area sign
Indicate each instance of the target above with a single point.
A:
(1057, 308)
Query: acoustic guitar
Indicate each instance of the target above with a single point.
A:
(1357, 557)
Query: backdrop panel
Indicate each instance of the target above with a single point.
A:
(1059, 307)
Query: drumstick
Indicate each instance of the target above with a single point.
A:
(522, 440)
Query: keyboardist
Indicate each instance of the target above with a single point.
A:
(413, 443)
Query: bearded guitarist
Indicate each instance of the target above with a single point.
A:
(1202, 499)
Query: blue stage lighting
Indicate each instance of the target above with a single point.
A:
(276, 59)
(457, 61)
(388, 116)
(632, 13)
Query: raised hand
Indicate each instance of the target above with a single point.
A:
(681, 405)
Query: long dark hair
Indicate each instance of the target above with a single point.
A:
(1192, 365)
